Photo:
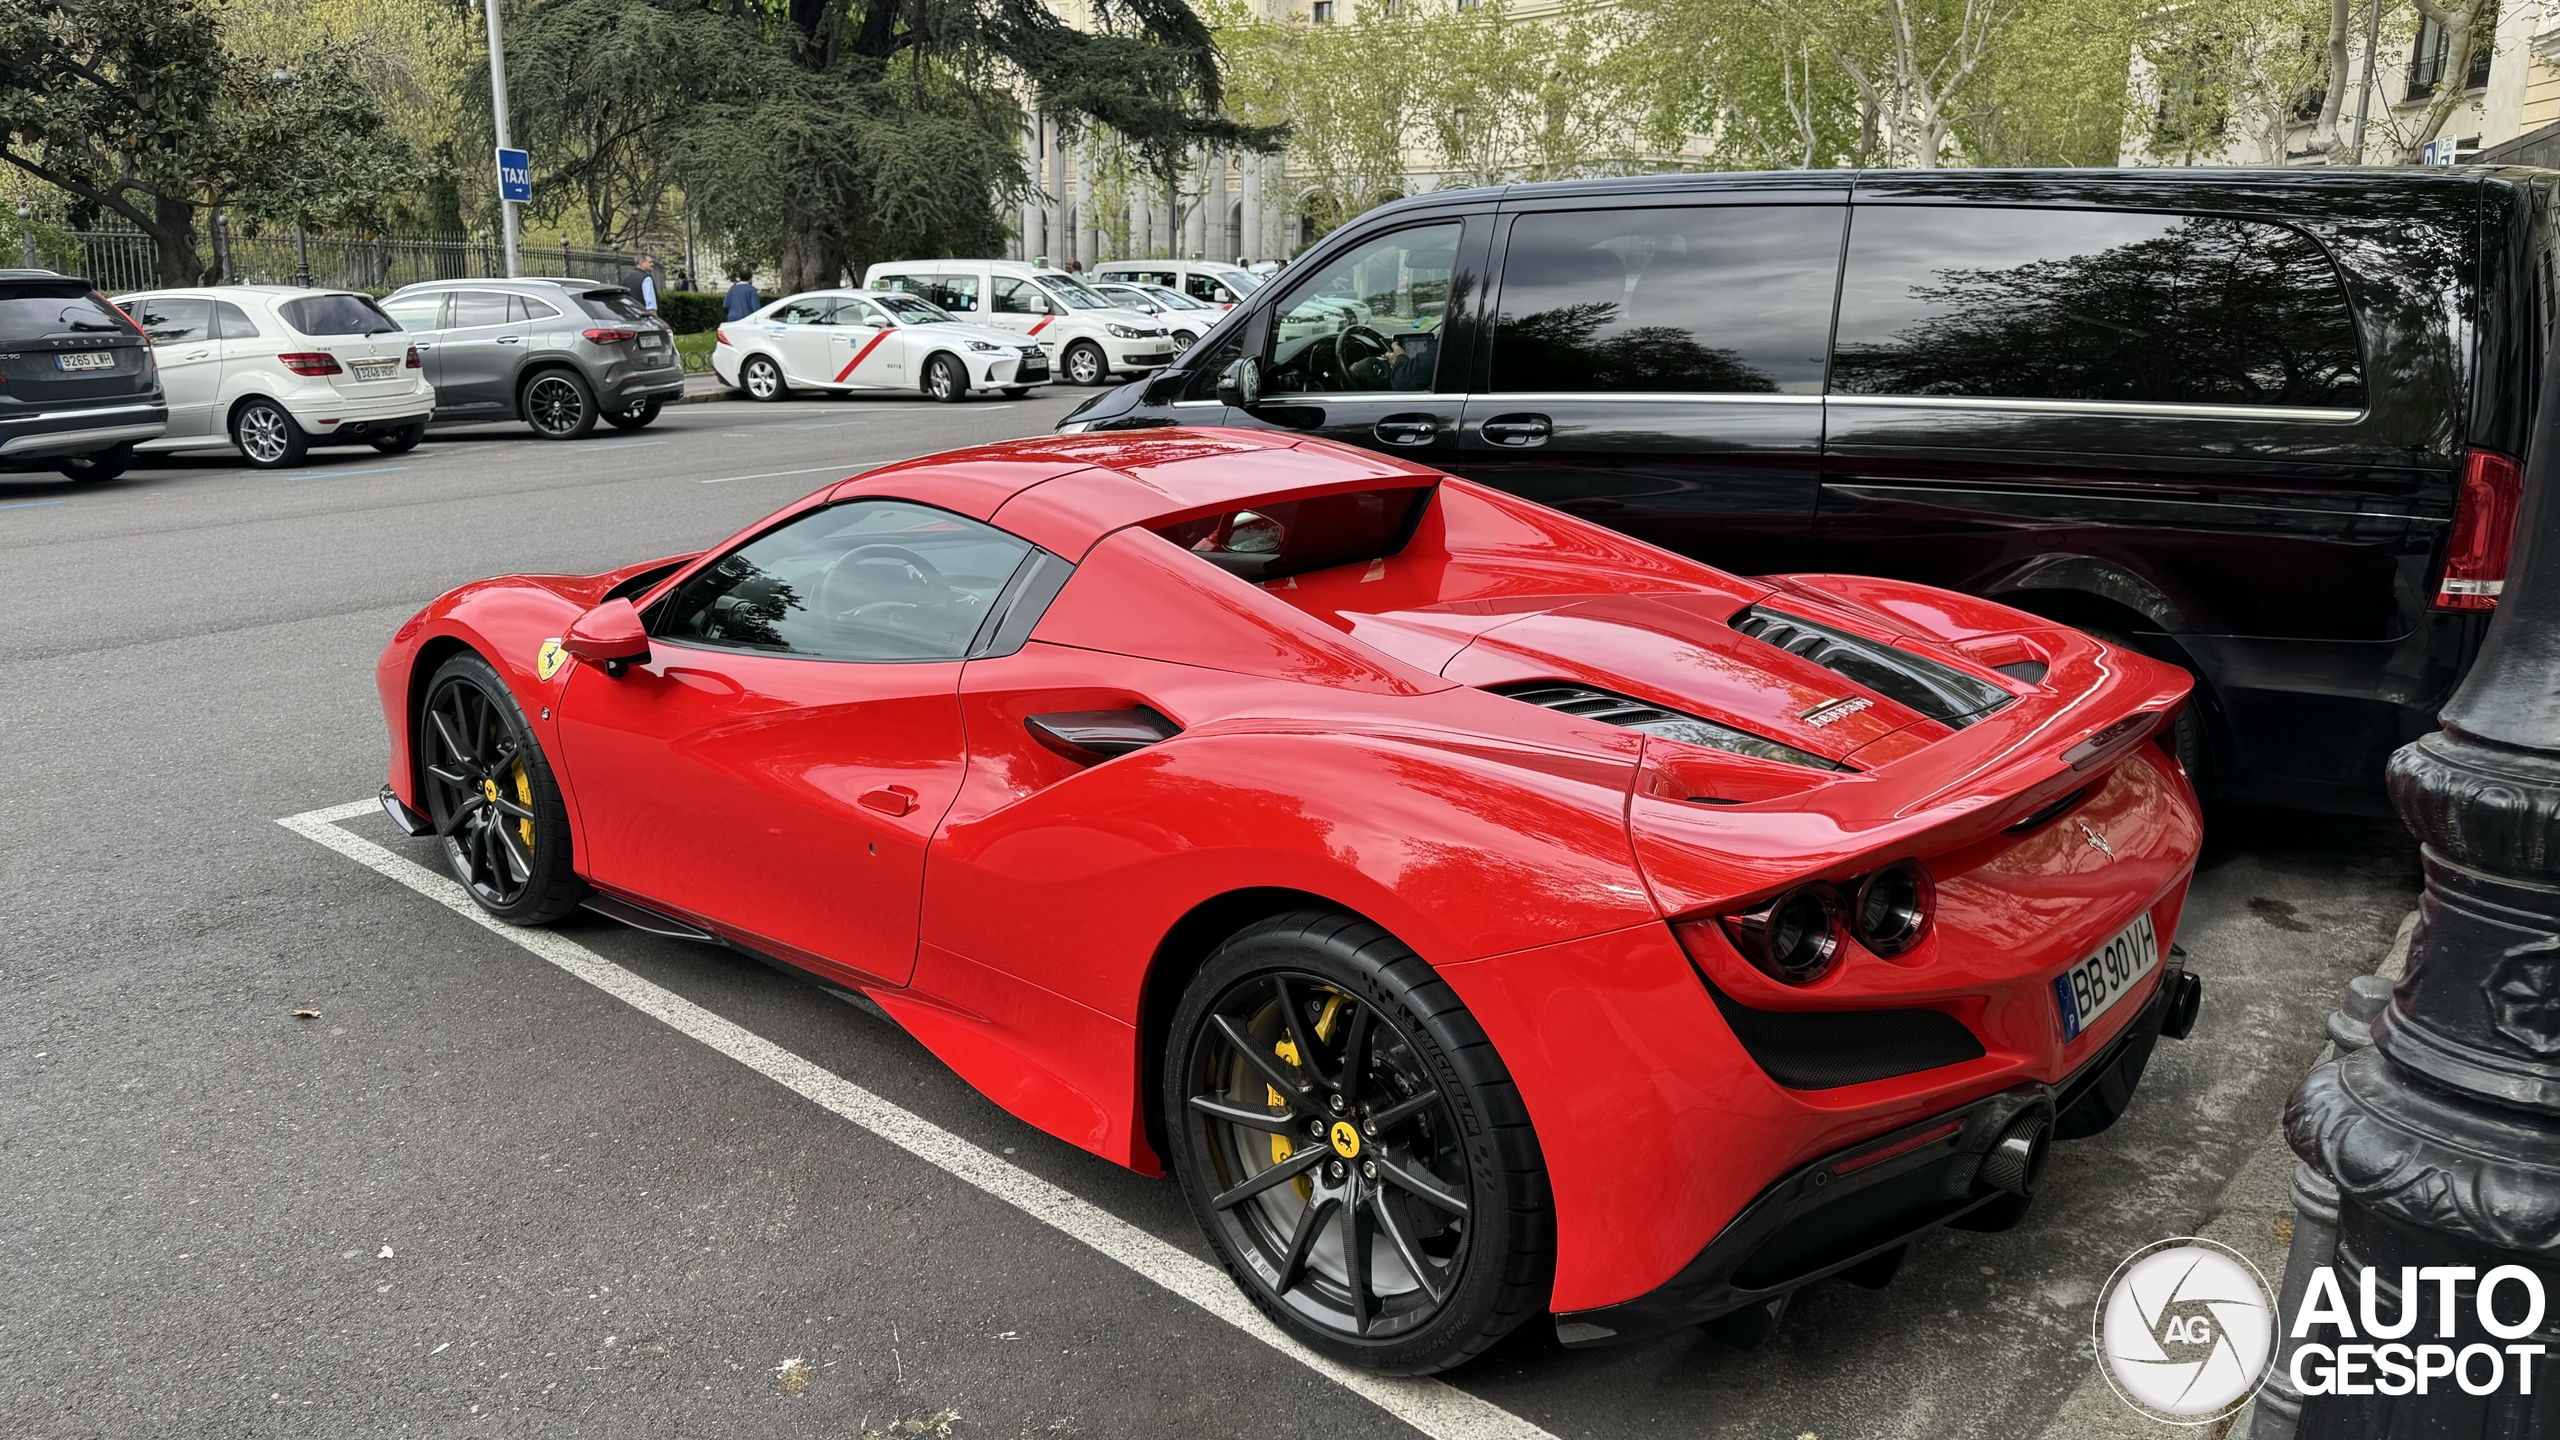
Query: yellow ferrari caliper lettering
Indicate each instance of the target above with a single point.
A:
(1281, 1149)
(524, 797)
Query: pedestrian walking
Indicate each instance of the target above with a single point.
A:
(742, 296)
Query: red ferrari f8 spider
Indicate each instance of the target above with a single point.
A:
(1481, 913)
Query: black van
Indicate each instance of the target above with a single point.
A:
(2267, 425)
(78, 384)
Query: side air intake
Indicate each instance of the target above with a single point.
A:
(1941, 692)
(1826, 1049)
(1634, 714)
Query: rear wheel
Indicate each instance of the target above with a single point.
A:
(1354, 1149)
(762, 379)
(1016, 392)
(2188, 740)
(559, 406)
(98, 465)
(402, 440)
(635, 418)
(945, 380)
(267, 435)
(496, 807)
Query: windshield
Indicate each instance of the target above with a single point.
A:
(336, 315)
(1244, 281)
(1073, 293)
(64, 312)
(1129, 298)
(910, 309)
(1174, 299)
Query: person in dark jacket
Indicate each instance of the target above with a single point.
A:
(742, 296)
(642, 281)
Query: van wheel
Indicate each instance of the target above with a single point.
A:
(97, 465)
(2187, 738)
(762, 379)
(267, 435)
(945, 380)
(1086, 364)
(559, 406)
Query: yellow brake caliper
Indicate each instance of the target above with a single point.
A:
(524, 797)
(1287, 1049)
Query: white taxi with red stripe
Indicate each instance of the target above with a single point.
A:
(838, 340)
(1088, 340)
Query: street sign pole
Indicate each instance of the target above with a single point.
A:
(498, 106)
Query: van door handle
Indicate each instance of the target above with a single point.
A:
(1518, 430)
(890, 799)
(1406, 429)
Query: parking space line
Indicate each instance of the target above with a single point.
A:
(32, 504)
(300, 476)
(830, 425)
(622, 445)
(1434, 1407)
(760, 475)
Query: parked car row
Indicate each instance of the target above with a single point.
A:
(86, 382)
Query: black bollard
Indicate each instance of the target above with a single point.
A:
(2443, 1138)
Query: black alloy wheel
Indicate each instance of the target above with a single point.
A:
(497, 810)
(97, 465)
(636, 417)
(559, 406)
(402, 440)
(944, 379)
(1086, 364)
(762, 379)
(1354, 1149)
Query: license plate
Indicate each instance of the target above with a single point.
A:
(373, 369)
(92, 360)
(652, 342)
(2091, 988)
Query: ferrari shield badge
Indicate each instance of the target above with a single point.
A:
(547, 661)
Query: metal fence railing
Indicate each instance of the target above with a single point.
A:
(123, 260)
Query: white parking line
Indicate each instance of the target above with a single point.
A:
(1434, 1407)
(767, 474)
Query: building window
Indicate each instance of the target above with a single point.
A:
(1324, 12)
(2429, 57)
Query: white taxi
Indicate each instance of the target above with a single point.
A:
(839, 340)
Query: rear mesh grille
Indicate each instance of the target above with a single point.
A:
(1941, 692)
(1615, 709)
(1826, 1049)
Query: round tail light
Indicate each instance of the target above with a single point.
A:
(1893, 908)
(1794, 937)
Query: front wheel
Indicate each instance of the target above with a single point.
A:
(635, 418)
(945, 380)
(497, 809)
(1353, 1148)
(98, 465)
(1086, 364)
(559, 406)
(267, 435)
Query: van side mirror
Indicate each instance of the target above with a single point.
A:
(610, 635)
(1241, 385)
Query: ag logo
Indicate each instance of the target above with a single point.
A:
(2185, 1330)
(548, 660)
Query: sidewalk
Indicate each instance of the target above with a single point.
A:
(2253, 1215)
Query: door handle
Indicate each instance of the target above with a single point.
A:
(1518, 430)
(890, 799)
(1089, 737)
(510, 339)
(1406, 429)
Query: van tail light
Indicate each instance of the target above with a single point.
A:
(310, 362)
(413, 362)
(2484, 533)
(612, 337)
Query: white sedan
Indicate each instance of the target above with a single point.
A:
(276, 369)
(1185, 319)
(839, 340)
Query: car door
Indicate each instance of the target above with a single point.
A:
(1363, 348)
(1018, 305)
(799, 336)
(423, 317)
(1659, 368)
(190, 358)
(478, 354)
(778, 764)
(863, 346)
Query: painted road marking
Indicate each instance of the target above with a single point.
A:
(31, 504)
(340, 474)
(1434, 1407)
(623, 445)
(725, 479)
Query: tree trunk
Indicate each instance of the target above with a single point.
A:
(811, 256)
(173, 234)
(2324, 134)
(219, 224)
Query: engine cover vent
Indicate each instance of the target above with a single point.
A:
(1634, 714)
(1941, 692)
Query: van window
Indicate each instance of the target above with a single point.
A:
(1201, 287)
(1021, 297)
(1071, 293)
(955, 293)
(1369, 320)
(2092, 305)
(1716, 299)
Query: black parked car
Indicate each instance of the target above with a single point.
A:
(78, 385)
(2266, 425)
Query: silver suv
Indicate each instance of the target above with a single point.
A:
(557, 354)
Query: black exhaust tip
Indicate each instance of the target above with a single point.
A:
(2017, 1159)
(2186, 996)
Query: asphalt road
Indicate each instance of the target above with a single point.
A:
(479, 1195)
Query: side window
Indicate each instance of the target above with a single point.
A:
(479, 307)
(803, 312)
(417, 312)
(1021, 297)
(525, 307)
(231, 322)
(1201, 287)
(856, 312)
(1370, 320)
(866, 580)
(174, 321)
(2092, 305)
(1715, 299)
(1203, 384)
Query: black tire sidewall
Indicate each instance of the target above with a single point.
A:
(587, 411)
(2188, 737)
(638, 417)
(98, 466)
(296, 444)
(781, 387)
(402, 440)
(1101, 362)
(1511, 1249)
(555, 889)
(944, 365)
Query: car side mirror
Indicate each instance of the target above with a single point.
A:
(610, 635)
(1241, 385)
